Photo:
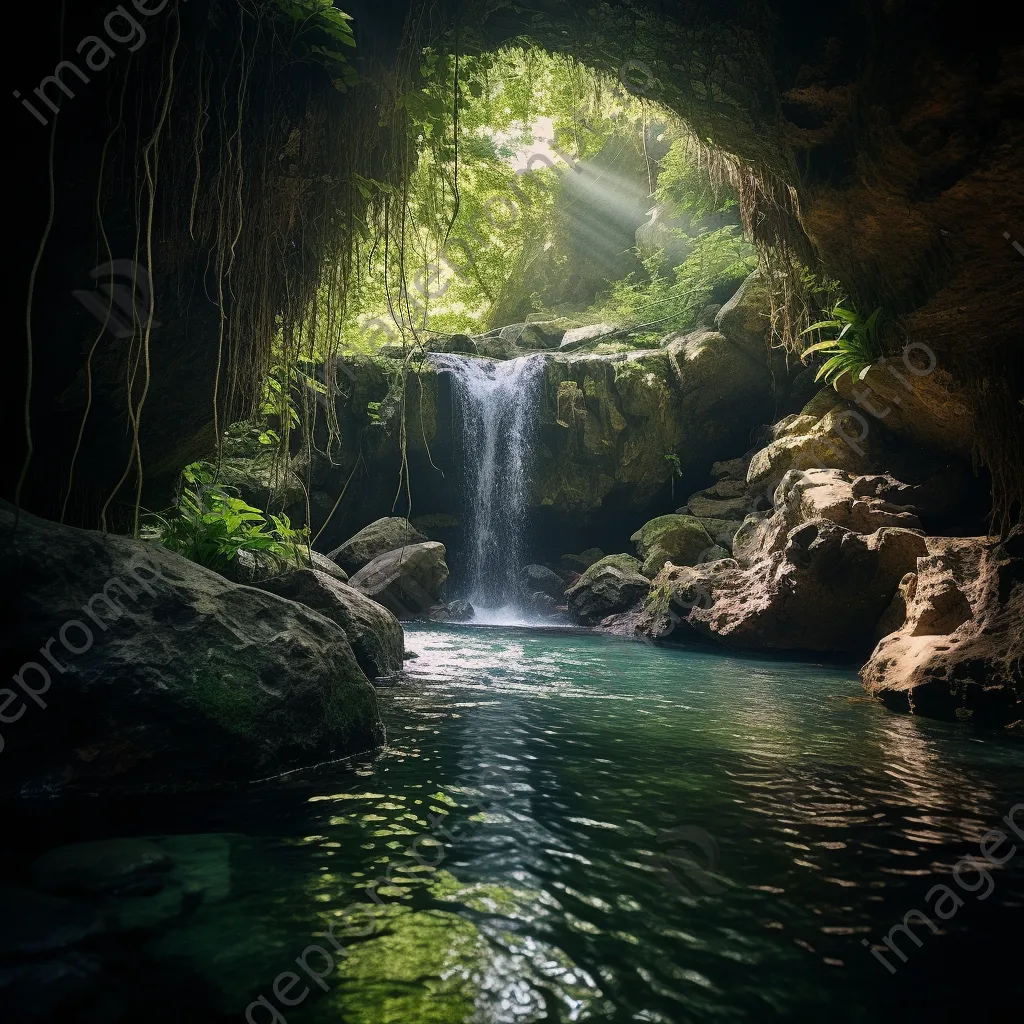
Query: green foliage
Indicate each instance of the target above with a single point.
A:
(210, 526)
(665, 302)
(857, 345)
(686, 183)
(278, 396)
(474, 216)
(318, 28)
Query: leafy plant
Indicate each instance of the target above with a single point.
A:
(278, 396)
(320, 20)
(668, 302)
(857, 345)
(210, 526)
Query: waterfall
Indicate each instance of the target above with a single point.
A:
(494, 405)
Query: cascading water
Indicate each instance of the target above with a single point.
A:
(494, 405)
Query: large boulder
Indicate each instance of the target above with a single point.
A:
(745, 318)
(610, 585)
(679, 539)
(956, 646)
(607, 423)
(407, 580)
(376, 539)
(377, 637)
(134, 666)
(540, 578)
(824, 591)
(251, 568)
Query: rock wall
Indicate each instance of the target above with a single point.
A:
(620, 433)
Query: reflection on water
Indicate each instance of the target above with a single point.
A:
(569, 827)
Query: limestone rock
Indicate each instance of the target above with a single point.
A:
(376, 636)
(181, 678)
(959, 655)
(837, 440)
(713, 554)
(612, 584)
(379, 537)
(732, 469)
(803, 496)
(824, 591)
(407, 580)
(895, 615)
(707, 506)
(582, 335)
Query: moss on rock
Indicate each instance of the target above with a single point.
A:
(678, 539)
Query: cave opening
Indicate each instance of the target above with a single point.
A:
(511, 512)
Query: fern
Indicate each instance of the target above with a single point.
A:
(210, 526)
(857, 345)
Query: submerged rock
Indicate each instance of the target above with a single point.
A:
(407, 581)
(376, 636)
(121, 865)
(376, 539)
(612, 584)
(955, 646)
(546, 606)
(167, 674)
(34, 922)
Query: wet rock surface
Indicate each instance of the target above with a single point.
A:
(612, 584)
(406, 581)
(375, 634)
(169, 674)
(378, 538)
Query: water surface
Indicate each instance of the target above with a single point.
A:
(609, 831)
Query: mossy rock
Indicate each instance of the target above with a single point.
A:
(678, 539)
(192, 681)
(612, 584)
(383, 535)
(623, 562)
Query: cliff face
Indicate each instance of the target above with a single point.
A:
(618, 434)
